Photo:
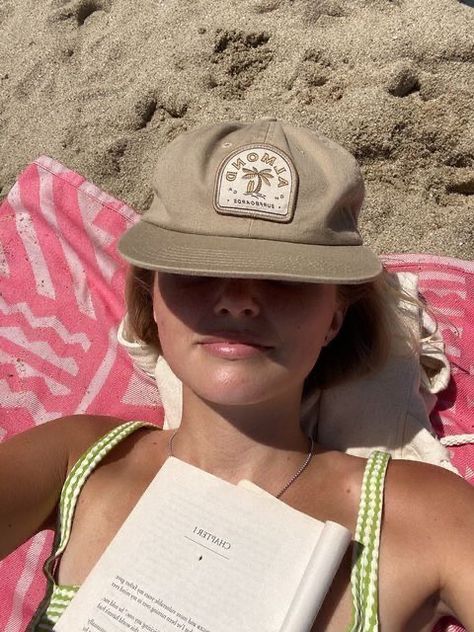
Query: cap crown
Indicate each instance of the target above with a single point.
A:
(262, 200)
(262, 180)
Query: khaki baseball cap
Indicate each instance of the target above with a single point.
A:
(259, 200)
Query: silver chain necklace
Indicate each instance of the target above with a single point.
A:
(296, 475)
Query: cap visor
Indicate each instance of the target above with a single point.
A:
(155, 248)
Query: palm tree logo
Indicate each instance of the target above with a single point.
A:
(262, 176)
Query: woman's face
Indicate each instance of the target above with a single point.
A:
(243, 341)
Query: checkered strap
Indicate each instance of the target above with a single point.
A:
(364, 577)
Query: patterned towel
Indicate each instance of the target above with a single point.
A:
(60, 304)
(447, 285)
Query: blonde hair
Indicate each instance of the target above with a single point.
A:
(376, 322)
(139, 303)
(374, 318)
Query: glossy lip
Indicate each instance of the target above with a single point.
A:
(233, 345)
(235, 337)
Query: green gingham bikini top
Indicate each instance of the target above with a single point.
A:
(364, 577)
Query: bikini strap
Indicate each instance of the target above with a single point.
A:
(74, 483)
(364, 576)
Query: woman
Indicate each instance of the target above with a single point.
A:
(253, 281)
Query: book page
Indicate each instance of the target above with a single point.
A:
(317, 578)
(200, 555)
(319, 573)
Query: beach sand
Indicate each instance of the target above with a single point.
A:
(103, 85)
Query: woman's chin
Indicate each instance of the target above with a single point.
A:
(230, 390)
(242, 382)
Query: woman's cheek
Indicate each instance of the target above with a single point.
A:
(170, 337)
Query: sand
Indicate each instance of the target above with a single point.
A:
(103, 85)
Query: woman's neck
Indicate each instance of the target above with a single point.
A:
(263, 442)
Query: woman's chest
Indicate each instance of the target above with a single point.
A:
(113, 490)
(103, 504)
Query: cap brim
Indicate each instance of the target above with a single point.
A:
(155, 248)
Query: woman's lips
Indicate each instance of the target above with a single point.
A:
(231, 349)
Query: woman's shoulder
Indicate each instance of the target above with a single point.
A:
(432, 502)
(426, 497)
(80, 432)
(72, 435)
(414, 487)
(67, 438)
(410, 486)
(63, 438)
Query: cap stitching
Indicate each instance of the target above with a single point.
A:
(267, 133)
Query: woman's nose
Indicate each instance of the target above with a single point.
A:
(237, 298)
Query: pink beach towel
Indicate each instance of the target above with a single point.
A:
(60, 304)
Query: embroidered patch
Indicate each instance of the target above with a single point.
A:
(256, 181)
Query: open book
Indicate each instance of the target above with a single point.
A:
(199, 554)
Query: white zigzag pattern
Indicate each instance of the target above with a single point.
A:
(442, 292)
(46, 321)
(447, 422)
(27, 576)
(40, 348)
(438, 275)
(91, 190)
(454, 352)
(28, 400)
(25, 370)
(450, 312)
(27, 233)
(76, 268)
(102, 372)
(99, 238)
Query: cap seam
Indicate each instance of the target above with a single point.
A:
(267, 133)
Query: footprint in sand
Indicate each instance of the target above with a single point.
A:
(151, 109)
(265, 6)
(462, 184)
(239, 58)
(312, 72)
(115, 154)
(77, 11)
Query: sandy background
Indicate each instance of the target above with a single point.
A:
(102, 85)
